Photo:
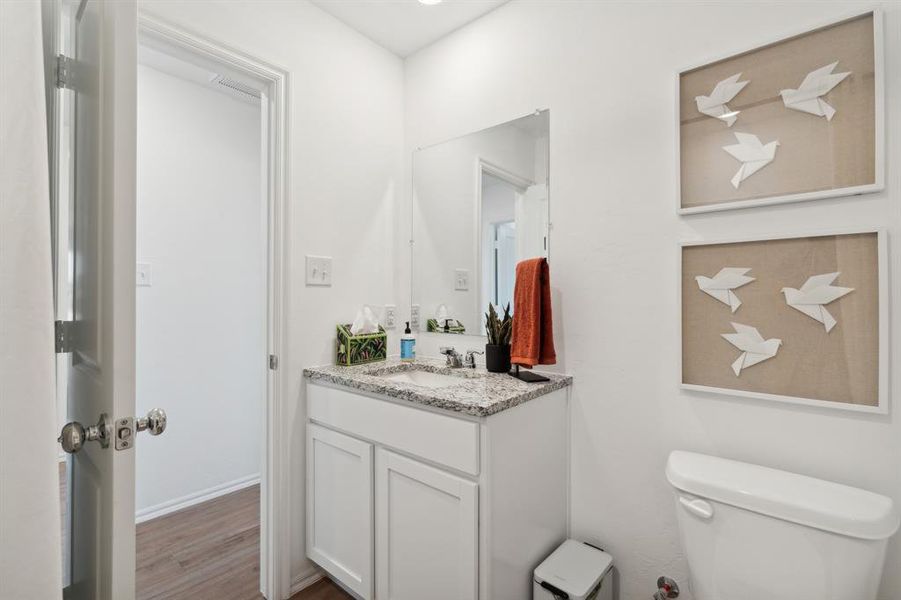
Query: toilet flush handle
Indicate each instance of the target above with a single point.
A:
(697, 507)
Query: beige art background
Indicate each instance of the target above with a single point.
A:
(841, 366)
(815, 154)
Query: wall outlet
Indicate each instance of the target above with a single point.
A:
(414, 317)
(144, 275)
(461, 279)
(319, 270)
(390, 316)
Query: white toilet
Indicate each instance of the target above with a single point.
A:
(753, 533)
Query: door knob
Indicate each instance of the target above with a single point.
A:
(154, 423)
(74, 434)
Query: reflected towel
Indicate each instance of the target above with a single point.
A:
(532, 342)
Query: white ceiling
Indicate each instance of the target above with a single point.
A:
(405, 26)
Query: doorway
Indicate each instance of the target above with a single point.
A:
(201, 299)
(502, 262)
(241, 74)
(209, 302)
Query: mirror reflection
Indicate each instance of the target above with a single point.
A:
(480, 205)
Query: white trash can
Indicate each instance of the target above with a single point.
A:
(574, 571)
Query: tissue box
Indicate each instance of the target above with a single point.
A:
(360, 349)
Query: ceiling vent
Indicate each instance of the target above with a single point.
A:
(236, 88)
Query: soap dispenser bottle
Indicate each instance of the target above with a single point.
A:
(408, 345)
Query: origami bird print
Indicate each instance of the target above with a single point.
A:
(714, 105)
(752, 154)
(754, 349)
(720, 286)
(814, 295)
(808, 97)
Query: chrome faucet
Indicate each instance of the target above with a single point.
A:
(454, 359)
(470, 361)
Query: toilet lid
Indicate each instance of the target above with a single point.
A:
(796, 498)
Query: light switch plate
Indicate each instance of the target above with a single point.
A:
(319, 270)
(414, 317)
(144, 274)
(461, 279)
(390, 316)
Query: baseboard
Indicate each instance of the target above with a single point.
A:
(176, 504)
(305, 580)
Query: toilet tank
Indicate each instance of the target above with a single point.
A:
(752, 533)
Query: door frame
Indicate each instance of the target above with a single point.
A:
(274, 484)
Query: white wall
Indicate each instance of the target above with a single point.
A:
(345, 144)
(606, 72)
(201, 324)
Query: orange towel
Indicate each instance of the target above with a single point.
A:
(532, 341)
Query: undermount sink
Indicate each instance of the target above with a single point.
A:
(423, 378)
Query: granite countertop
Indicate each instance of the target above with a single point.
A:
(479, 392)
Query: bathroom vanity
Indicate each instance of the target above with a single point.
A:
(430, 482)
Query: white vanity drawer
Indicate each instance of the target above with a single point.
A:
(441, 439)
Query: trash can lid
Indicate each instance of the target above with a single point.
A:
(574, 567)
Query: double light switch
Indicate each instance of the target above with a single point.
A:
(319, 270)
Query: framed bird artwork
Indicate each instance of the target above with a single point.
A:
(797, 118)
(791, 319)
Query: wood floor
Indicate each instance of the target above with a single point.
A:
(323, 589)
(208, 552)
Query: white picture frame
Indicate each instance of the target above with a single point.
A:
(882, 408)
(879, 91)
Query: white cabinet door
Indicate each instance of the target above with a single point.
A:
(426, 532)
(339, 507)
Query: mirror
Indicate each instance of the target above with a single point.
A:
(480, 205)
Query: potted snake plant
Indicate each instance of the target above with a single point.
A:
(499, 330)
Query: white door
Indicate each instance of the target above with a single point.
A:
(532, 222)
(100, 39)
(339, 507)
(426, 531)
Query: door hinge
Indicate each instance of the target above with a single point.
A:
(273, 362)
(65, 72)
(64, 334)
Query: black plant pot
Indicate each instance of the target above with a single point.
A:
(497, 358)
